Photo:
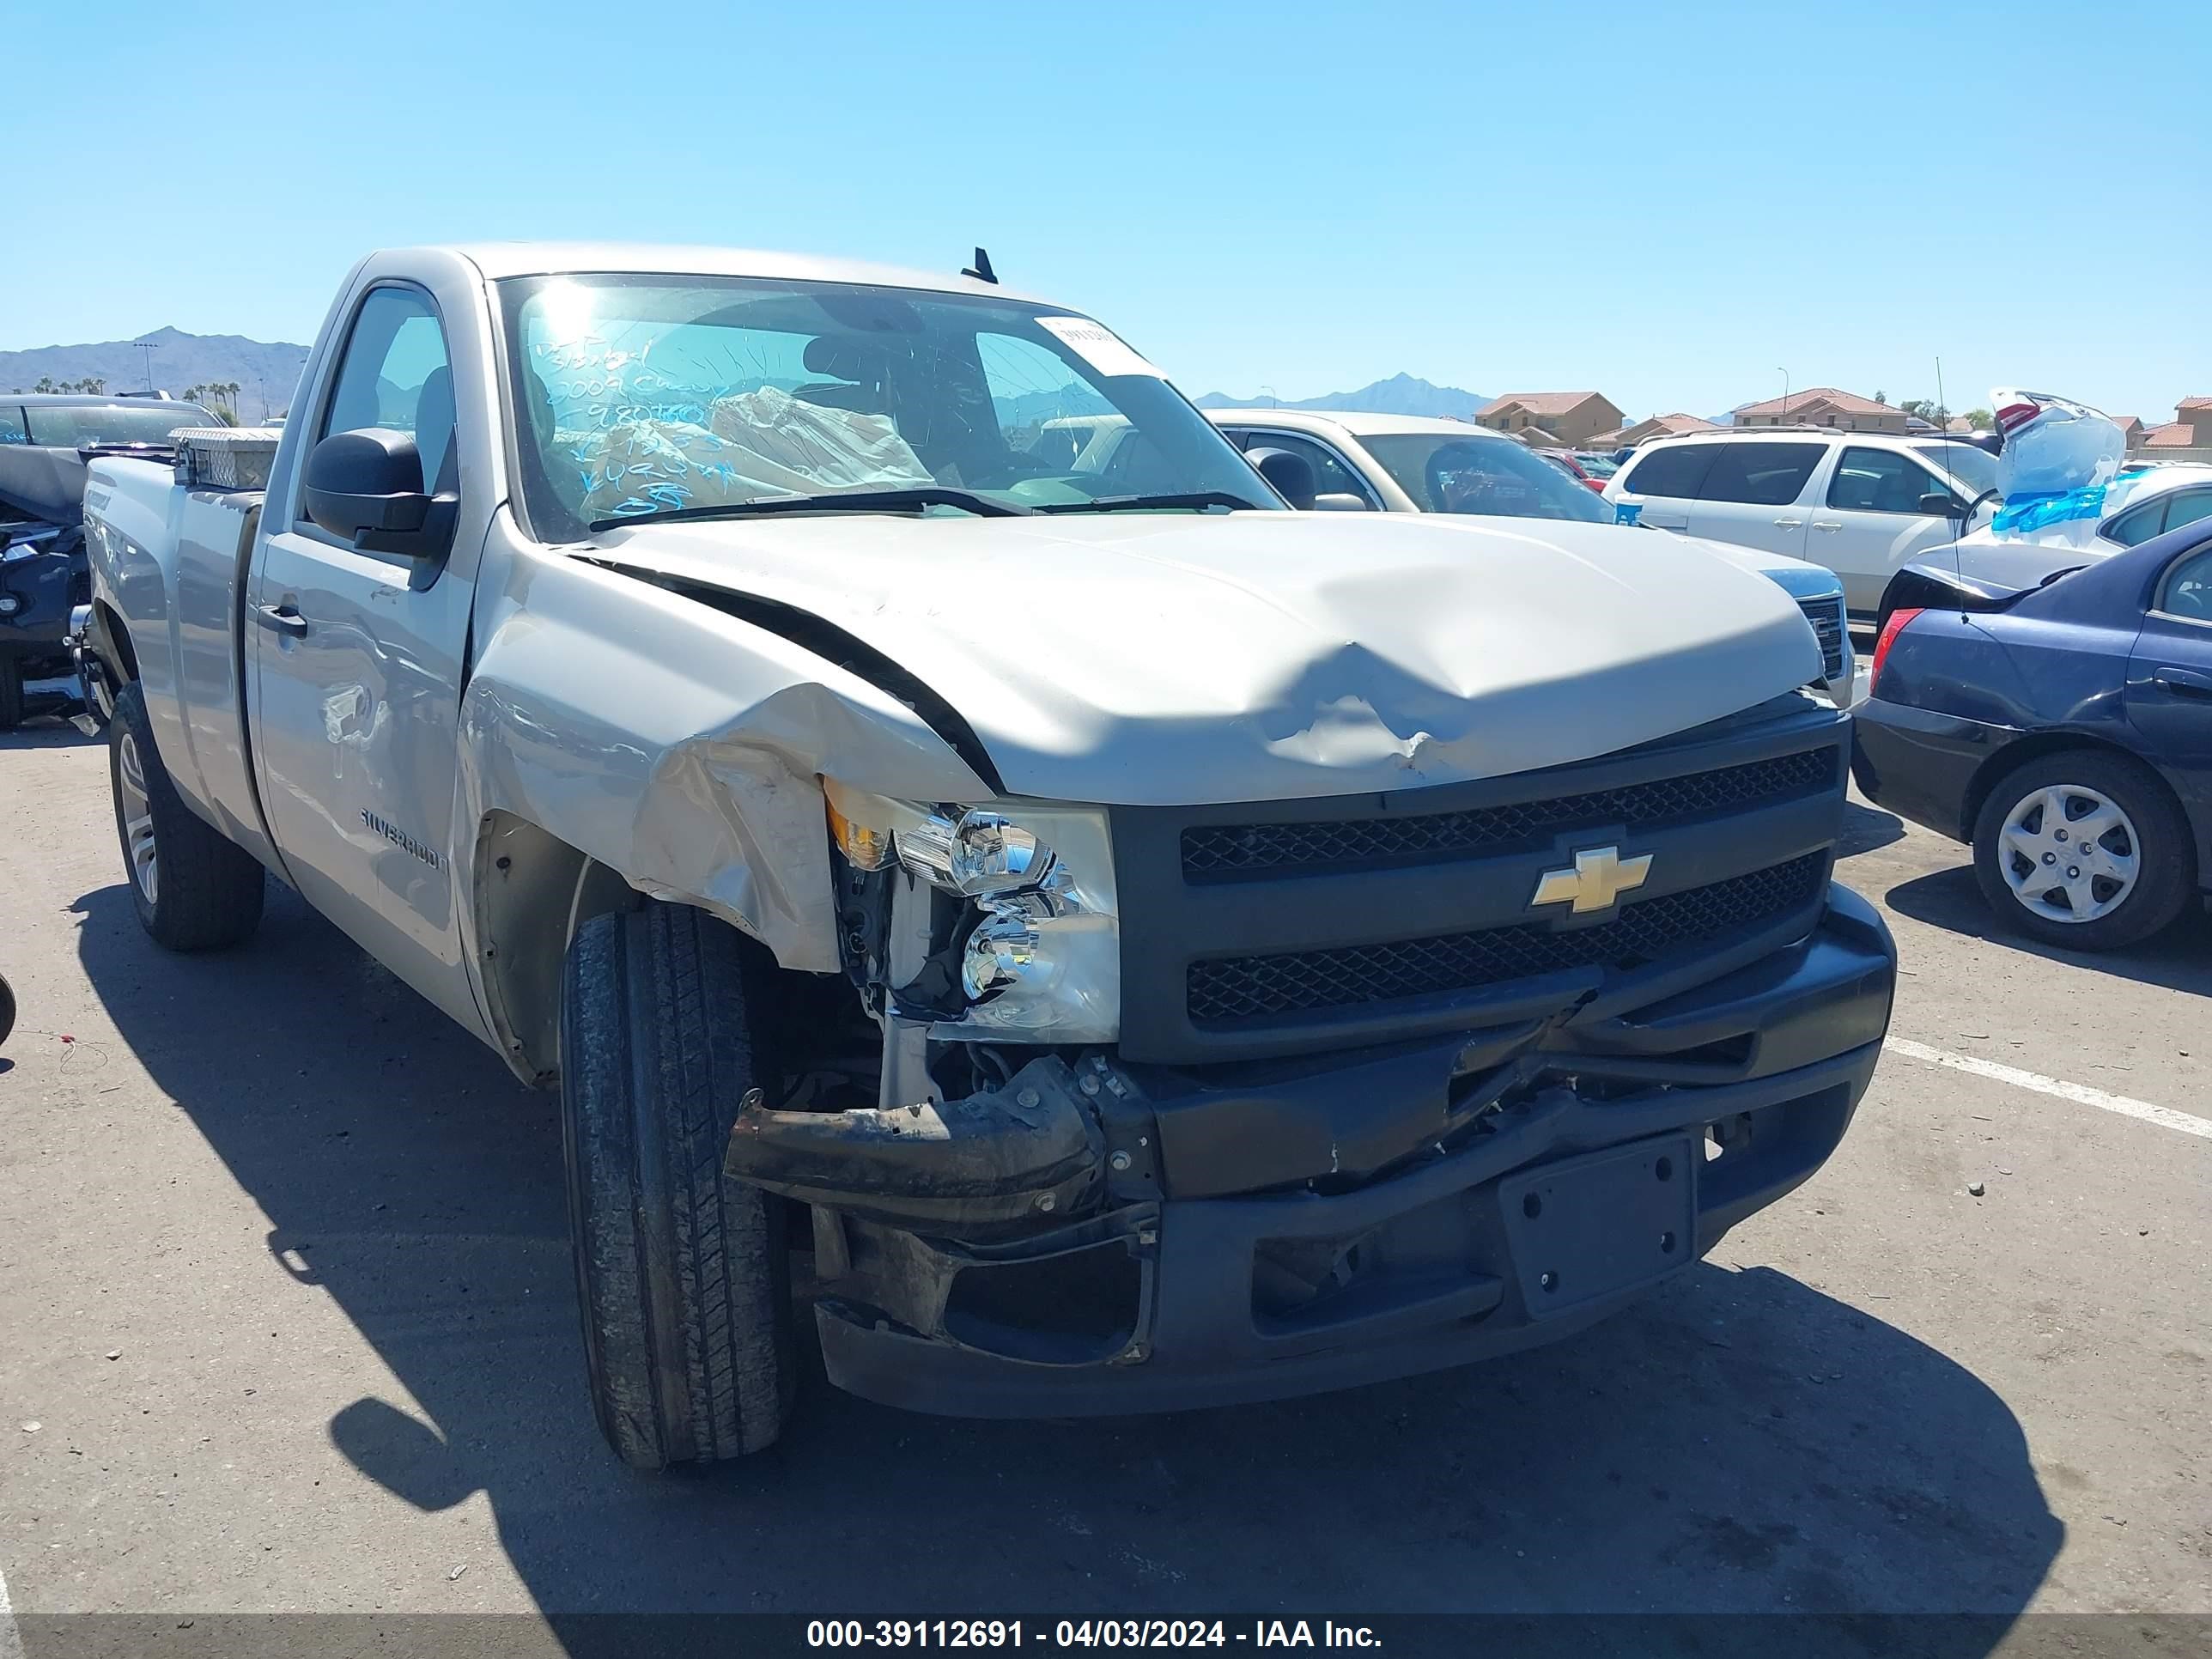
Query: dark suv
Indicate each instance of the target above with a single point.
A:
(45, 442)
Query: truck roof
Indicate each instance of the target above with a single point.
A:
(1361, 423)
(498, 260)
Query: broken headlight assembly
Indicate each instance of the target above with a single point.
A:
(1036, 949)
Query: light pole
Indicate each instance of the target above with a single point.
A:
(149, 347)
(1270, 391)
(1784, 373)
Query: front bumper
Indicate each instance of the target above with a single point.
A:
(1566, 1166)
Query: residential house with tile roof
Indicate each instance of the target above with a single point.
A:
(2190, 431)
(1824, 405)
(1657, 426)
(1551, 420)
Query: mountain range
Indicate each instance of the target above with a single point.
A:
(267, 371)
(264, 372)
(1402, 394)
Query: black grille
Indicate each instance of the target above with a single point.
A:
(1827, 617)
(1235, 990)
(1220, 852)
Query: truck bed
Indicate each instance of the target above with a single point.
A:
(168, 558)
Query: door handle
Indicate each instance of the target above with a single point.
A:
(2184, 682)
(1827, 523)
(284, 618)
(1788, 524)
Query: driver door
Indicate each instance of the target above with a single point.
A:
(357, 662)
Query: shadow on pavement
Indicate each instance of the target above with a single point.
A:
(1866, 828)
(1738, 1442)
(2180, 959)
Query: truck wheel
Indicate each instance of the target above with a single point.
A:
(193, 890)
(11, 693)
(2084, 849)
(683, 1277)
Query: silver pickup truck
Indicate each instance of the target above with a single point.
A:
(1105, 941)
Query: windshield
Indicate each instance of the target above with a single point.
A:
(1492, 475)
(1598, 466)
(72, 426)
(1972, 466)
(650, 394)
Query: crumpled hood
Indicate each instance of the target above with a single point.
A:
(1139, 658)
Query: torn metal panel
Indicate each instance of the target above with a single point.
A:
(680, 745)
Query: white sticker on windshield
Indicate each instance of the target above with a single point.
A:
(1098, 346)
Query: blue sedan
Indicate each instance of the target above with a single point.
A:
(2064, 732)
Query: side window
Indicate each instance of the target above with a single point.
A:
(395, 374)
(13, 428)
(2187, 507)
(1767, 475)
(2137, 524)
(1880, 480)
(1675, 471)
(1331, 475)
(2188, 589)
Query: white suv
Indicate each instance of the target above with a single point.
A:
(1864, 504)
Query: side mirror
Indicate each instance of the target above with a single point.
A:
(1940, 504)
(366, 488)
(1292, 476)
(1340, 500)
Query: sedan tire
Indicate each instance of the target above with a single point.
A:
(2085, 849)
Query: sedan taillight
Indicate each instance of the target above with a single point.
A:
(1890, 630)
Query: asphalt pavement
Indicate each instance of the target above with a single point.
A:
(286, 1326)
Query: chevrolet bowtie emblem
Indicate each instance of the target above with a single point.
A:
(1600, 875)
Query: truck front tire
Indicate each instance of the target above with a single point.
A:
(11, 691)
(683, 1277)
(193, 890)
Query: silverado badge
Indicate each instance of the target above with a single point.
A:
(1599, 876)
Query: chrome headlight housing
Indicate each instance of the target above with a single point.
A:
(1039, 942)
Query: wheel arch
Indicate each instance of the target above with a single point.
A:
(2034, 747)
(533, 890)
(111, 638)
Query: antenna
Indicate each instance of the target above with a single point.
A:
(981, 271)
(1942, 409)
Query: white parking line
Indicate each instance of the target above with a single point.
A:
(2165, 1117)
(11, 1642)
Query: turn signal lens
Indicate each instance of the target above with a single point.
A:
(1890, 630)
(863, 848)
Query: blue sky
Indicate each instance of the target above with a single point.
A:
(1668, 204)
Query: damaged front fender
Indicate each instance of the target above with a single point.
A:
(681, 747)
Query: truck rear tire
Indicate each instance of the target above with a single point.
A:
(193, 890)
(683, 1277)
(11, 691)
